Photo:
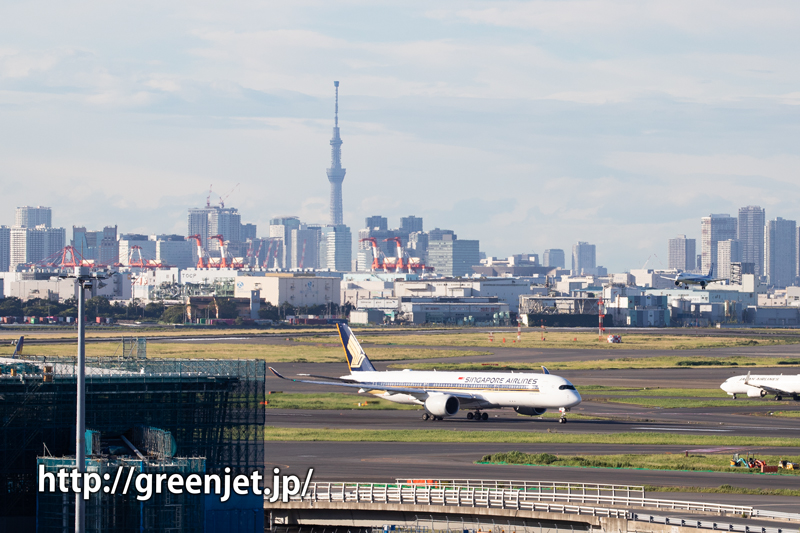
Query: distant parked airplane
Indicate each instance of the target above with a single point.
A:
(759, 386)
(444, 393)
(686, 279)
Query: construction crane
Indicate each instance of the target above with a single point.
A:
(303, 256)
(269, 251)
(208, 198)
(202, 256)
(377, 255)
(400, 265)
(223, 198)
(223, 249)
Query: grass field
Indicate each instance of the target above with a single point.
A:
(723, 489)
(596, 390)
(566, 339)
(537, 434)
(334, 401)
(694, 462)
(276, 353)
(613, 363)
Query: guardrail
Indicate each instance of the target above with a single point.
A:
(503, 498)
(533, 486)
(791, 517)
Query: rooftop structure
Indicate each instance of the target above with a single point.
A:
(201, 403)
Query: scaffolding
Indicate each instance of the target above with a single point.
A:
(210, 408)
(165, 512)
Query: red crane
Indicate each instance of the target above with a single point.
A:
(223, 250)
(202, 256)
(400, 265)
(377, 255)
(267, 258)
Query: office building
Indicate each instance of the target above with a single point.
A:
(335, 248)
(410, 224)
(98, 246)
(554, 258)
(248, 232)
(33, 245)
(30, 217)
(583, 258)
(305, 252)
(127, 242)
(5, 248)
(682, 253)
(780, 254)
(336, 172)
(376, 222)
(215, 220)
(728, 252)
(175, 251)
(452, 257)
(751, 236)
(714, 228)
(281, 228)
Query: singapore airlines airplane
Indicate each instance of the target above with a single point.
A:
(759, 386)
(444, 393)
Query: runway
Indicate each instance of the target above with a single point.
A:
(386, 461)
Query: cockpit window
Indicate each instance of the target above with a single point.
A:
(566, 387)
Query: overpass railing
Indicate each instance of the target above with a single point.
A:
(550, 497)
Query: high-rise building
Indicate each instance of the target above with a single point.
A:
(31, 245)
(554, 258)
(751, 236)
(305, 252)
(682, 253)
(99, 246)
(335, 248)
(5, 248)
(583, 258)
(714, 228)
(248, 232)
(215, 220)
(780, 253)
(181, 253)
(376, 222)
(30, 217)
(281, 228)
(410, 224)
(336, 172)
(453, 257)
(728, 252)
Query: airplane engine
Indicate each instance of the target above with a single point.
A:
(755, 392)
(530, 411)
(442, 405)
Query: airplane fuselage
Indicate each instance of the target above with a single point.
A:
(486, 389)
(761, 385)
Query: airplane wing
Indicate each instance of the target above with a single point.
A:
(771, 390)
(369, 386)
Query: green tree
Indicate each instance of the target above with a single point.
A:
(268, 312)
(154, 309)
(174, 314)
(227, 308)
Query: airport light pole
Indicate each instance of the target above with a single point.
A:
(84, 279)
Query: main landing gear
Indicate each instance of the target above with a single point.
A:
(477, 415)
(563, 419)
(426, 416)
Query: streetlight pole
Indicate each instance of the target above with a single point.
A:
(80, 421)
(84, 279)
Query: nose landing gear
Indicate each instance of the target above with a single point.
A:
(563, 419)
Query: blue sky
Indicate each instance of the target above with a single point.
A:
(527, 125)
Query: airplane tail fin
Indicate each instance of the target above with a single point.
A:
(18, 349)
(357, 360)
(711, 271)
(544, 370)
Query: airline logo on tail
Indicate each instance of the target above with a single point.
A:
(357, 360)
(18, 349)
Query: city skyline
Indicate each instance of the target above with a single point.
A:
(484, 118)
